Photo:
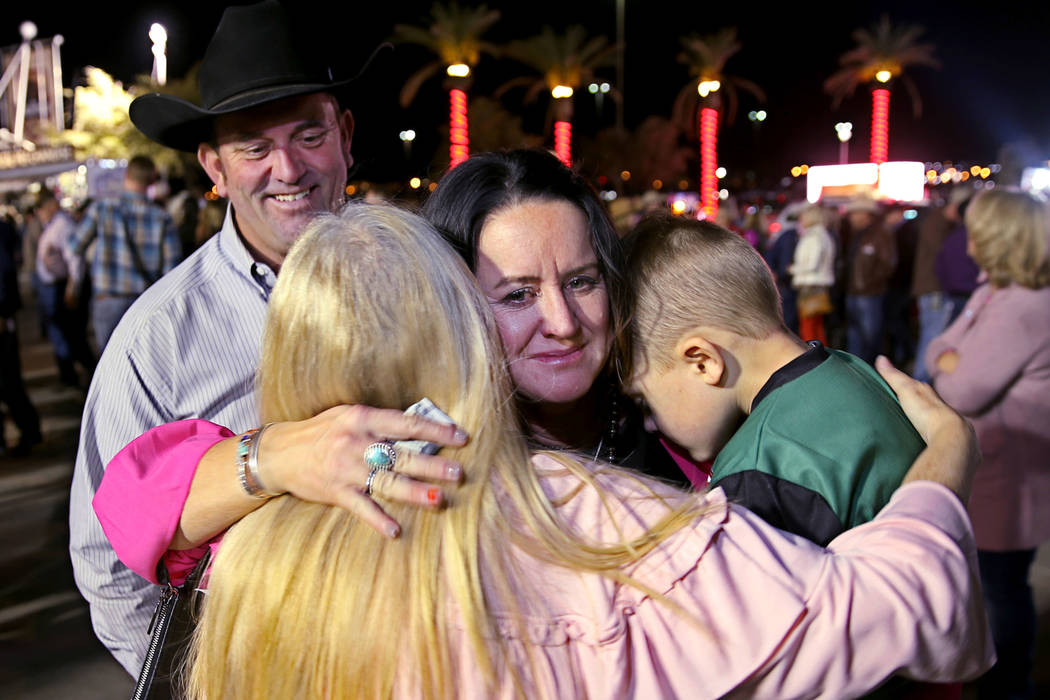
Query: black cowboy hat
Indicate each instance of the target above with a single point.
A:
(256, 56)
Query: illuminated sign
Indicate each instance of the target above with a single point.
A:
(900, 181)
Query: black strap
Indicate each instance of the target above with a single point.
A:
(170, 631)
(136, 258)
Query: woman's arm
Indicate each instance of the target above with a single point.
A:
(988, 347)
(177, 485)
(321, 459)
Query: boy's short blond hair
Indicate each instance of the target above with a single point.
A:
(684, 274)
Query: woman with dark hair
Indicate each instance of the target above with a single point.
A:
(550, 263)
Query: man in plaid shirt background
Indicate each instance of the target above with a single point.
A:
(135, 243)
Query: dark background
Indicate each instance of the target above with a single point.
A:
(990, 91)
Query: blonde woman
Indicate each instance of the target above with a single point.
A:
(545, 576)
(993, 365)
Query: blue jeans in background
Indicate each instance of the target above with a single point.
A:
(106, 312)
(864, 326)
(935, 311)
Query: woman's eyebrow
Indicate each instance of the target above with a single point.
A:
(531, 279)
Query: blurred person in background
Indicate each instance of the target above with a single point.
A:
(813, 273)
(871, 257)
(135, 244)
(779, 254)
(956, 270)
(66, 325)
(993, 365)
(13, 394)
(933, 304)
(209, 220)
(902, 222)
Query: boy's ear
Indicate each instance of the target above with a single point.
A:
(704, 358)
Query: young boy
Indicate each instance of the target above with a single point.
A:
(811, 439)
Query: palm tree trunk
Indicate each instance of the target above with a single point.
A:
(708, 161)
(563, 129)
(880, 125)
(459, 143)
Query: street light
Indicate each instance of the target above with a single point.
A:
(407, 137)
(159, 36)
(706, 87)
(599, 91)
(844, 130)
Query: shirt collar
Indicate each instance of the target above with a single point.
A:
(810, 359)
(230, 241)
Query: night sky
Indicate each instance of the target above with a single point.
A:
(992, 88)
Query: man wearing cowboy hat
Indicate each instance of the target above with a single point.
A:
(274, 136)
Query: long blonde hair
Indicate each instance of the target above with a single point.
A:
(373, 307)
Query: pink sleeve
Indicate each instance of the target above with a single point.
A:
(900, 593)
(144, 488)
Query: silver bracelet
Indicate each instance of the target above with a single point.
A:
(248, 464)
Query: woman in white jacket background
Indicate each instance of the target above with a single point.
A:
(813, 273)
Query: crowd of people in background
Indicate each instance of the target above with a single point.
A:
(866, 276)
(80, 263)
(859, 275)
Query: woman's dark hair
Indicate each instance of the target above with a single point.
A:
(488, 182)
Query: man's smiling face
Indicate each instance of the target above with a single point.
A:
(280, 164)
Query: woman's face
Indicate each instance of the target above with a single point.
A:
(537, 268)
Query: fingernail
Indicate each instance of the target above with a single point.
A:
(461, 435)
(393, 530)
(454, 472)
(434, 496)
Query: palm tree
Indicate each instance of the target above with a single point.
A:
(882, 54)
(564, 63)
(454, 34)
(102, 128)
(709, 89)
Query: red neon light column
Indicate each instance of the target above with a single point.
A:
(708, 161)
(563, 142)
(458, 149)
(880, 125)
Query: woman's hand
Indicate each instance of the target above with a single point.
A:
(947, 361)
(951, 455)
(321, 459)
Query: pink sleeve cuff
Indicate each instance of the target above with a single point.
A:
(143, 491)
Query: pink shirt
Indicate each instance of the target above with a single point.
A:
(779, 616)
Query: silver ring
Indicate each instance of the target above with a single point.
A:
(380, 455)
(370, 479)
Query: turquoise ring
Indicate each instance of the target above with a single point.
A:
(380, 456)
